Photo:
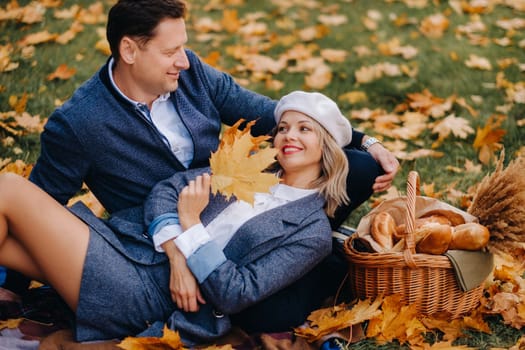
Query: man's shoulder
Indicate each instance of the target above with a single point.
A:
(198, 69)
(88, 99)
(193, 57)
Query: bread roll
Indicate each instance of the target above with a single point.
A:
(437, 218)
(435, 238)
(383, 229)
(469, 236)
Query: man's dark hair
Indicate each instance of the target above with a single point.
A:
(138, 19)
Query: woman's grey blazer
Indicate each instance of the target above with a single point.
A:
(265, 255)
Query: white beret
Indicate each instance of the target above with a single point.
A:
(320, 108)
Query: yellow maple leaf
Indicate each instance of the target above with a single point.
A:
(457, 126)
(430, 191)
(488, 138)
(353, 97)
(32, 13)
(334, 55)
(505, 273)
(252, 28)
(414, 123)
(93, 14)
(400, 322)
(213, 58)
(470, 167)
(230, 20)
(11, 323)
(333, 20)
(18, 103)
(238, 164)
(476, 321)
(6, 64)
(425, 102)
(103, 46)
(262, 63)
(37, 38)
(367, 74)
(70, 34)
(30, 123)
(67, 13)
(434, 25)
(319, 78)
(18, 167)
(170, 340)
(331, 319)
(451, 329)
(62, 72)
(478, 62)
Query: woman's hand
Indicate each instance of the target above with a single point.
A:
(193, 199)
(184, 288)
(388, 162)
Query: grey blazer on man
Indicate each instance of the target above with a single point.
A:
(267, 253)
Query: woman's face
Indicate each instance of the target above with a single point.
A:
(298, 144)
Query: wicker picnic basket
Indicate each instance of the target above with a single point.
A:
(426, 280)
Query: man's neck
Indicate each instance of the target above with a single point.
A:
(125, 84)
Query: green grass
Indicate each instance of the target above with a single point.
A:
(502, 337)
(437, 72)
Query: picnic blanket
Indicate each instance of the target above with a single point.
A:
(41, 320)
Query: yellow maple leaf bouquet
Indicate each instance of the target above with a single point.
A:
(238, 166)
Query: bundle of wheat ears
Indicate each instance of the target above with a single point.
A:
(499, 204)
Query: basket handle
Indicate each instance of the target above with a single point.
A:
(410, 217)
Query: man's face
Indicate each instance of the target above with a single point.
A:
(158, 63)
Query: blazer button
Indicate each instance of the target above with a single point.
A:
(218, 314)
(145, 235)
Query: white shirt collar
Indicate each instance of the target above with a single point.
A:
(290, 193)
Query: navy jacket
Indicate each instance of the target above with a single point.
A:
(97, 137)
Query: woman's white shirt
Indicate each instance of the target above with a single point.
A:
(222, 228)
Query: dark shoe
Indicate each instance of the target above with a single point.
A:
(10, 304)
(44, 305)
(16, 282)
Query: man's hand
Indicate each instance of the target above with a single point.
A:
(388, 162)
(184, 288)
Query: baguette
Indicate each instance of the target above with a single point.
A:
(469, 236)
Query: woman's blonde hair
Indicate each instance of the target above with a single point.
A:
(334, 172)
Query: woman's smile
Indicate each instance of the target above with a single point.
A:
(290, 149)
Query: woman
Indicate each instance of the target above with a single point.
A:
(223, 256)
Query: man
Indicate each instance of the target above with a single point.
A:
(154, 109)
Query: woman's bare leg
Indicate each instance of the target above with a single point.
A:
(41, 238)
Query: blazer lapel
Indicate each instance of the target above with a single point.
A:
(271, 225)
